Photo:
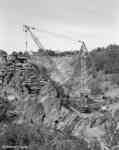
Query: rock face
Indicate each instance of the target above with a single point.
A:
(3, 56)
(29, 84)
(38, 97)
(34, 94)
(30, 89)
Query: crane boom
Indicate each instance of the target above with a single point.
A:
(50, 62)
(80, 75)
(84, 75)
(35, 39)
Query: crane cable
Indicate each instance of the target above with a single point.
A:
(58, 35)
(26, 41)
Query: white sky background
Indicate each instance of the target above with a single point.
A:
(94, 21)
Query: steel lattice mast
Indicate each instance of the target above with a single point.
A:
(83, 70)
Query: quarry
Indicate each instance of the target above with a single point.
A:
(58, 101)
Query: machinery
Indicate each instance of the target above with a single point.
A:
(29, 29)
(84, 74)
(50, 62)
(80, 74)
(80, 63)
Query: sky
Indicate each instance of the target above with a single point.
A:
(94, 21)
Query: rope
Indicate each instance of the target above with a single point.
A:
(26, 41)
(56, 34)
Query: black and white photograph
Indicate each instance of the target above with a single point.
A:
(59, 74)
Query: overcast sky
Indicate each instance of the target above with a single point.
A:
(94, 21)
